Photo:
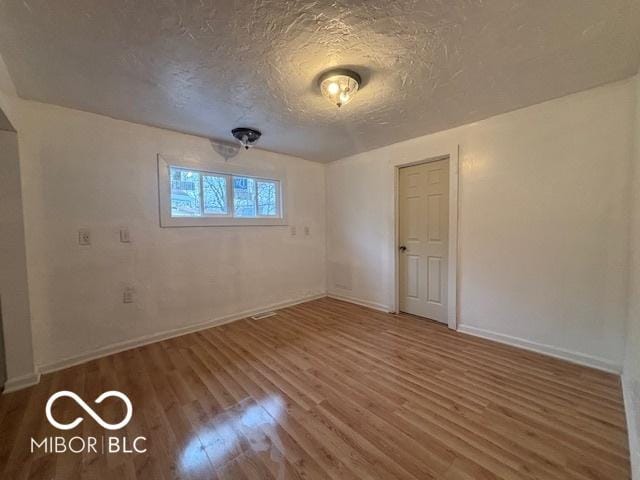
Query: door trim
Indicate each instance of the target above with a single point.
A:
(454, 252)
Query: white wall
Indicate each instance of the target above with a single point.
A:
(81, 170)
(14, 293)
(631, 376)
(543, 223)
(14, 288)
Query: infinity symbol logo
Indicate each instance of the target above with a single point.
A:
(89, 410)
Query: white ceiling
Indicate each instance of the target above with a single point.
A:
(206, 66)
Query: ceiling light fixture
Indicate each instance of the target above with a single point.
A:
(339, 86)
(246, 136)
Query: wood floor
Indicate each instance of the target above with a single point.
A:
(328, 389)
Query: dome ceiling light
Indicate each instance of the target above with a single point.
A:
(339, 86)
(247, 137)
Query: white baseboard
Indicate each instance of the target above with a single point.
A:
(177, 332)
(359, 301)
(632, 424)
(561, 353)
(23, 381)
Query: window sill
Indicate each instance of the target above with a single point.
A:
(169, 222)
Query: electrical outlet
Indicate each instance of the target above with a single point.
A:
(84, 236)
(293, 230)
(307, 231)
(124, 235)
(128, 295)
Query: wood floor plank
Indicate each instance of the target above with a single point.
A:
(329, 390)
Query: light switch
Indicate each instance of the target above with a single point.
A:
(124, 235)
(293, 230)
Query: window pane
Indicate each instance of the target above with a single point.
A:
(244, 196)
(267, 198)
(185, 193)
(214, 189)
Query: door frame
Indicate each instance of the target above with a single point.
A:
(454, 247)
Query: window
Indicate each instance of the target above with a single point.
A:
(185, 193)
(244, 197)
(197, 197)
(195, 194)
(214, 192)
(267, 198)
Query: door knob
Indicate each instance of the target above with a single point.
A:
(402, 248)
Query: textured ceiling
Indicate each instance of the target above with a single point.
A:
(205, 66)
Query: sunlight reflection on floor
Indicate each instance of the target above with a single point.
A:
(231, 433)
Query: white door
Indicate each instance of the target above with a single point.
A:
(424, 239)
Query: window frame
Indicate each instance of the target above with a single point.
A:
(165, 163)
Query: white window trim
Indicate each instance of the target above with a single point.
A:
(164, 194)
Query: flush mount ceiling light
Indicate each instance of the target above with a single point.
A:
(339, 86)
(246, 136)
